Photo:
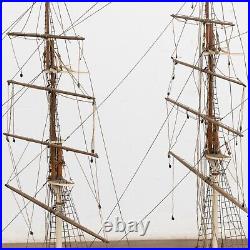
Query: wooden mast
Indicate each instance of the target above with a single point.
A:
(213, 147)
(56, 181)
(56, 160)
(212, 129)
(55, 153)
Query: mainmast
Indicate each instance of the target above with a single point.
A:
(217, 225)
(55, 163)
(212, 129)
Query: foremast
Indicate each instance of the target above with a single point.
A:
(56, 181)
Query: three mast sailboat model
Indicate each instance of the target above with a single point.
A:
(215, 154)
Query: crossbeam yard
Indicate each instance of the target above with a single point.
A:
(56, 213)
(229, 79)
(44, 36)
(203, 20)
(51, 144)
(210, 183)
(203, 116)
(32, 86)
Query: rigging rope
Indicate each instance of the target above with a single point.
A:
(148, 150)
(173, 184)
(26, 166)
(19, 160)
(13, 50)
(130, 71)
(232, 109)
(25, 220)
(23, 88)
(241, 42)
(37, 179)
(17, 20)
(161, 201)
(104, 144)
(38, 49)
(73, 23)
(95, 181)
(86, 178)
(27, 20)
(5, 227)
(73, 26)
(18, 180)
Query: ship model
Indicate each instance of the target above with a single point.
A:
(219, 212)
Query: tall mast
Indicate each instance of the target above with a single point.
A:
(210, 203)
(59, 201)
(55, 171)
(55, 164)
(212, 129)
